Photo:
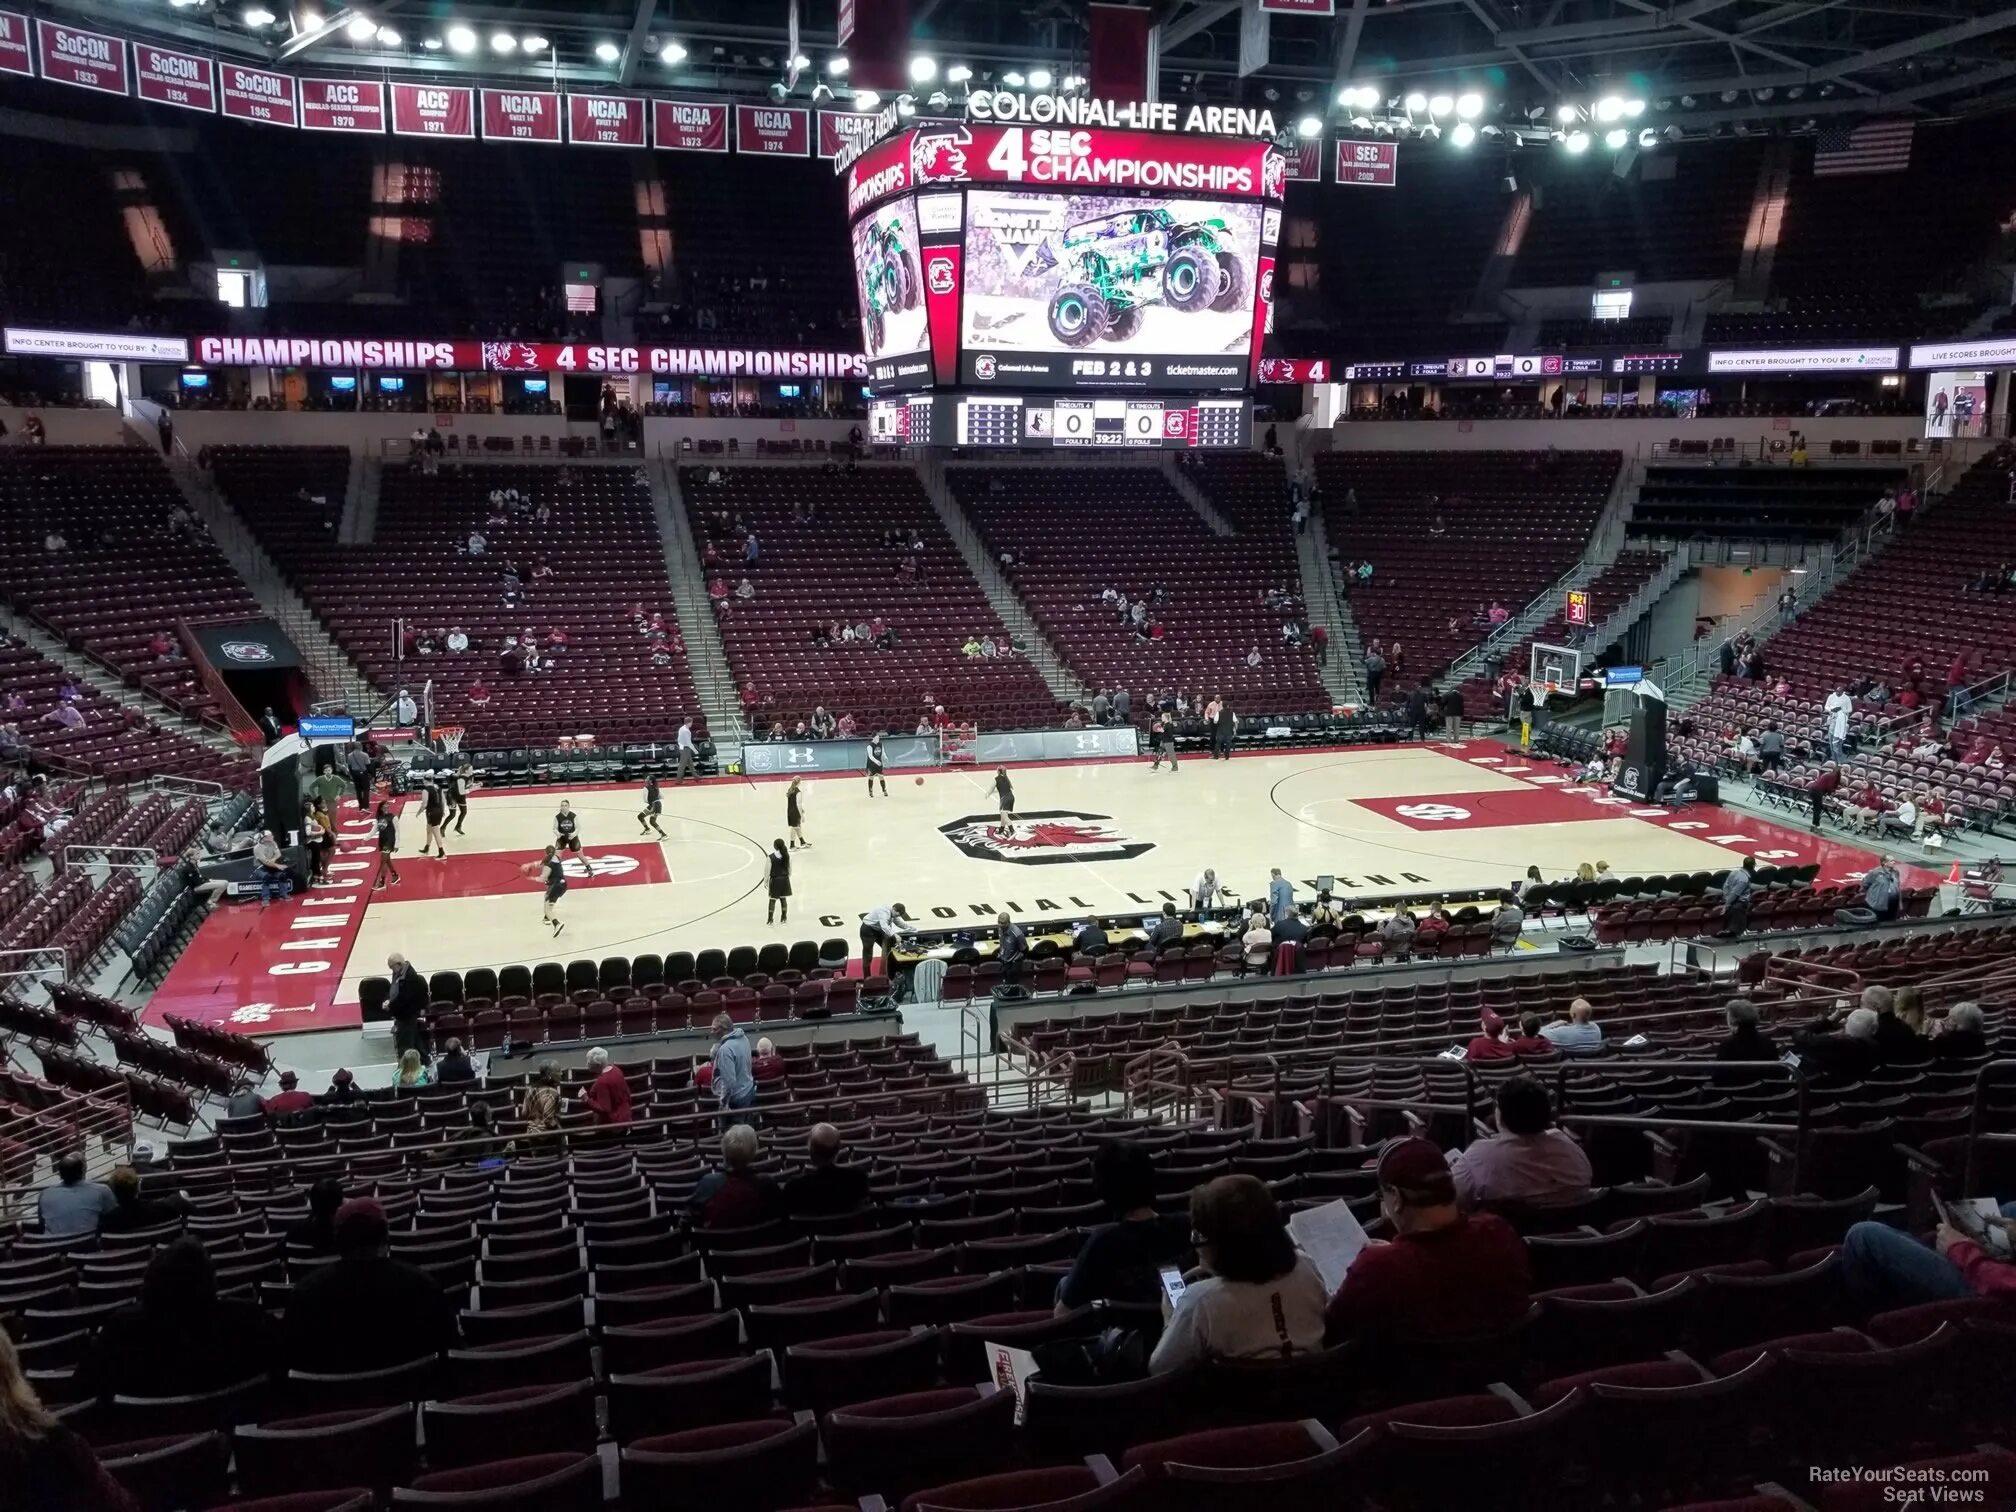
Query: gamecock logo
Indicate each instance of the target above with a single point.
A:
(939, 155)
(984, 368)
(247, 651)
(1274, 175)
(510, 357)
(1274, 370)
(1050, 838)
(938, 274)
(1433, 813)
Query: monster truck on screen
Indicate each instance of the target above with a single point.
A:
(1118, 264)
(888, 276)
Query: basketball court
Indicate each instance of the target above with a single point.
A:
(1110, 837)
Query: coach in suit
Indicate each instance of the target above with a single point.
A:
(406, 1002)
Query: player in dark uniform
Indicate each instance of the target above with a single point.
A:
(461, 783)
(794, 814)
(549, 866)
(647, 818)
(1005, 792)
(567, 829)
(388, 843)
(875, 765)
(437, 819)
(1161, 742)
(779, 910)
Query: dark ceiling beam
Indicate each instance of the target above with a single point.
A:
(1610, 27)
(1740, 44)
(1348, 36)
(1862, 62)
(633, 45)
(1196, 19)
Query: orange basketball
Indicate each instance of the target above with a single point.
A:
(920, 782)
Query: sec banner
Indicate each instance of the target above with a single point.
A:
(521, 115)
(85, 59)
(436, 110)
(347, 105)
(259, 95)
(605, 120)
(1373, 163)
(164, 76)
(15, 57)
(773, 131)
(689, 125)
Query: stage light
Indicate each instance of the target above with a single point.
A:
(432, 44)
(1615, 140)
(1071, 82)
(866, 99)
(306, 20)
(1567, 115)
(959, 73)
(257, 16)
(1464, 134)
(361, 29)
(778, 92)
(1441, 105)
(533, 45)
(821, 91)
(461, 39)
(905, 108)
(503, 42)
(1576, 141)
(1609, 108)
(800, 62)
(1013, 79)
(607, 52)
(838, 66)
(1416, 103)
(1470, 106)
(1309, 126)
(1647, 138)
(939, 100)
(923, 70)
(1039, 78)
(388, 37)
(1634, 108)
(672, 52)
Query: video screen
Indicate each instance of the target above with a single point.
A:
(1102, 290)
(888, 281)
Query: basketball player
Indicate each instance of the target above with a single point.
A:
(779, 910)
(388, 843)
(875, 765)
(647, 820)
(437, 819)
(1161, 742)
(1005, 792)
(461, 783)
(794, 814)
(549, 865)
(567, 829)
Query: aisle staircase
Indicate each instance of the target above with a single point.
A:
(1344, 676)
(706, 656)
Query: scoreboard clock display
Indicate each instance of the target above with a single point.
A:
(1030, 420)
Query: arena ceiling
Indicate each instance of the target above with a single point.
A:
(1701, 66)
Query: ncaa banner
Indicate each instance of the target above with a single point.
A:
(689, 125)
(164, 76)
(436, 110)
(521, 115)
(260, 96)
(84, 59)
(348, 105)
(15, 54)
(605, 120)
(773, 130)
(839, 128)
(257, 645)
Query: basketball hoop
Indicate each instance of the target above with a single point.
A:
(450, 737)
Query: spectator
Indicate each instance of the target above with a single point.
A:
(1280, 896)
(1745, 1041)
(1736, 890)
(1581, 1035)
(1900, 1016)
(735, 1196)
(1837, 707)
(44, 1466)
(343, 1089)
(1880, 891)
(1121, 1261)
(168, 1343)
(1527, 1160)
(825, 1188)
(454, 1065)
(1528, 1040)
(1445, 1275)
(135, 1213)
(1257, 943)
(1489, 1043)
(316, 1234)
(367, 1311)
(289, 1099)
(1508, 922)
(1884, 1268)
(1168, 929)
(608, 1095)
(734, 1078)
(1959, 1035)
(1827, 781)
(73, 1207)
(458, 639)
(767, 1065)
(541, 1107)
(1847, 1055)
(1256, 1297)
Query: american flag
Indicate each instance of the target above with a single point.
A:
(1873, 147)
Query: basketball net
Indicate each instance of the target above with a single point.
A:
(450, 737)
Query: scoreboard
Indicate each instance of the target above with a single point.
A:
(1179, 422)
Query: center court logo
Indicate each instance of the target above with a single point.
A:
(1049, 838)
(1433, 812)
(598, 866)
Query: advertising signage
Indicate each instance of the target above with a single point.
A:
(1806, 360)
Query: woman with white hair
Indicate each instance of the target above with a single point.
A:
(608, 1095)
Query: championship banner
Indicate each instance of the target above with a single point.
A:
(521, 115)
(164, 76)
(1373, 163)
(689, 125)
(399, 355)
(773, 130)
(838, 128)
(16, 57)
(605, 120)
(1084, 159)
(347, 105)
(436, 110)
(259, 95)
(86, 59)
(257, 645)
(1305, 161)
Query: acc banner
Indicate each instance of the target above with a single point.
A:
(837, 128)
(87, 59)
(15, 56)
(605, 120)
(520, 115)
(257, 645)
(259, 95)
(164, 76)
(773, 130)
(355, 105)
(689, 125)
(436, 110)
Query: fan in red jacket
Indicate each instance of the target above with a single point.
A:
(608, 1096)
